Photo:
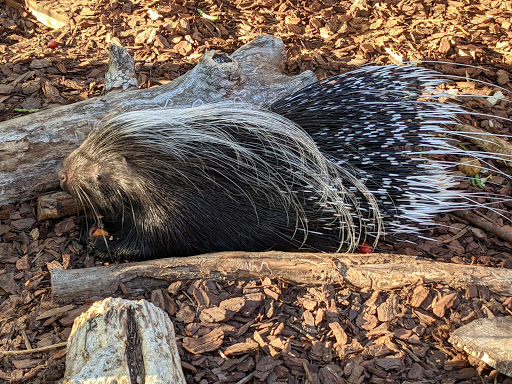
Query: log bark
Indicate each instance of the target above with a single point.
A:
(123, 341)
(32, 146)
(382, 271)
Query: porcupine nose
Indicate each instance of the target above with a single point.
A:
(63, 178)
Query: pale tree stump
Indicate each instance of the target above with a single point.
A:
(489, 340)
(123, 341)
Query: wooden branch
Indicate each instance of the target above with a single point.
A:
(123, 341)
(381, 271)
(33, 350)
(33, 146)
(485, 224)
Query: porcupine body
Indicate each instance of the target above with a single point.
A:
(328, 168)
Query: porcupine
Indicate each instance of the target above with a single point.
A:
(332, 166)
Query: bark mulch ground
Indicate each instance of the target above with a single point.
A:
(264, 331)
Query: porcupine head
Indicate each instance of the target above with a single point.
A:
(105, 176)
(99, 180)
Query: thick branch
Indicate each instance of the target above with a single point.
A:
(32, 146)
(485, 224)
(363, 271)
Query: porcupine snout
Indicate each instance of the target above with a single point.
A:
(63, 178)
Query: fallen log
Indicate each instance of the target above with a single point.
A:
(32, 146)
(378, 271)
(123, 341)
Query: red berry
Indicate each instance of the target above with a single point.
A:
(365, 248)
(52, 44)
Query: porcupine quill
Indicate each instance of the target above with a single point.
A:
(336, 164)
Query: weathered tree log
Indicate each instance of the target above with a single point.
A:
(123, 341)
(383, 271)
(56, 205)
(32, 146)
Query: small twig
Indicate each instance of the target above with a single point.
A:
(35, 350)
(405, 346)
(420, 21)
(26, 340)
(309, 378)
(300, 330)
(458, 26)
(193, 302)
(458, 235)
(245, 379)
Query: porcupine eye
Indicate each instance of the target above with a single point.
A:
(102, 179)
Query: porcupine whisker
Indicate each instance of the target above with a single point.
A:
(87, 204)
(477, 81)
(461, 97)
(96, 217)
(499, 118)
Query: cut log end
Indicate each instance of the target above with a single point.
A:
(56, 205)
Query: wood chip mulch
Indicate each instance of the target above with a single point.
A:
(265, 331)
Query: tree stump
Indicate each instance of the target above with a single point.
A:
(489, 340)
(123, 341)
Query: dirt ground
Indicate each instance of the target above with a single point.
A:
(277, 332)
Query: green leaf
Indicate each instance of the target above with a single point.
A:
(207, 16)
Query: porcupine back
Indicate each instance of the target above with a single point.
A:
(372, 121)
(333, 165)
